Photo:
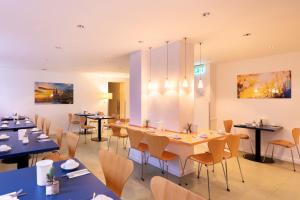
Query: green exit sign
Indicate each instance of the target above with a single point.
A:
(199, 69)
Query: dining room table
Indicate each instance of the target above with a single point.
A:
(77, 188)
(180, 143)
(99, 119)
(21, 152)
(259, 129)
(14, 125)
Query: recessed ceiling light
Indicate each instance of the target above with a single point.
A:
(58, 47)
(205, 14)
(44, 69)
(80, 26)
(247, 34)
(140, 41)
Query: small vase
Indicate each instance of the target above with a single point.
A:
(52, 188)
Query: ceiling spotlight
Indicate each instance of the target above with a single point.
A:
(58, 47)
(44, 69)
(140, 41)
(80, 26)
(205, 14)
(247, 34)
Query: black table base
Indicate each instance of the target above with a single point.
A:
(252, 157)
(22, 161)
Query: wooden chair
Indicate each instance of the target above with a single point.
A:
(40, 123)
(228, 126)
(116, 132)
(233, 143)
(163, 189)
(72, 142)
(47, 124)
(135, 139)
(73, 120)
(116, 169)
(157, 149)
(214, 156)
(85, 127)
(287, 144)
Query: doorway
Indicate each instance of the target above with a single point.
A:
(117, 105)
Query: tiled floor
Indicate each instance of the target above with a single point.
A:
(262, 181)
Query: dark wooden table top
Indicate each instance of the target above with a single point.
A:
(263, 128)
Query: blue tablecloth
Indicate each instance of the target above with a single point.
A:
(79, 188)
(13, 126)
(20, 149)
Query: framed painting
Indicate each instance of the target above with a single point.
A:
(265, 85)
(53, 93)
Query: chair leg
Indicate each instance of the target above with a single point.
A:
(126, 143)
(167, 174)
(208, 186)
(293, 159)
(199, 169)
(142, 164)
(183, 170)
(225, 172)
(251, 145)
(213, 168)
(32, 159)
(117, 145)
(238, 161)
(273, 151)
(298, 151)
(84, 136)
(129, 154)
(108, 143)
(266, 152)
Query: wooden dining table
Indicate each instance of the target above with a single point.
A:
(79, 188)
(183, 144)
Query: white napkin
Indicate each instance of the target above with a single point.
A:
(4, 136)
(77, 173)
(102, 197)
(4, 125)
(28, 122)
(9, 196)
(4, 147)
(42, 136)
(175, 136)
(35, 129)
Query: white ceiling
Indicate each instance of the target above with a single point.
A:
(30, 30)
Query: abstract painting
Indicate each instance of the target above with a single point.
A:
(265, 85)
(53, 93)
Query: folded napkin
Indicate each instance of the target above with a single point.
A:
(175, 136)
(35, 129)
(4, 125)
(4, 147)
(9, 196)
(78, 173)
(43, 136)
(28, 122)
(102, 197)
(4, 136)
(44, 140)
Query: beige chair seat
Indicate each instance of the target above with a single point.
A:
(283, 143)
(55, 156)
(244, 136)
(166, 155)
(87, 127)
(142, 147)
(205, 158)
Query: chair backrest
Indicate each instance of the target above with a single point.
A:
(47, 124)
(233, 142)
(116, 169)
(296, 135)
(163, 189)
(36, 116)
(228, 125)
(156, 144)
(116, 131)
(216, 148)
(72, 141)
(135, 137)
(59, 134)
(82, 121)
(124, 120)
(40, 123)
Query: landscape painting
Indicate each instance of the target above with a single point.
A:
(53, 93)
(265, 85)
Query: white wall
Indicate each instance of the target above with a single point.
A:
(278, 111)
(173, 107)
(17, 93)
